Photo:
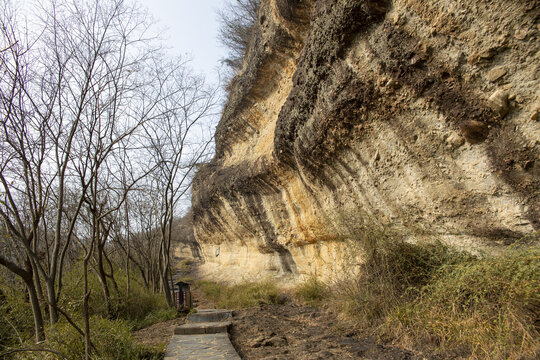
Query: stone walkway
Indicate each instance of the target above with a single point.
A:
(199, 347)
(204, 337)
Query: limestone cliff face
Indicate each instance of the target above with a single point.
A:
(421, 114)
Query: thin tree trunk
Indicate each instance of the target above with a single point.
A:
(103, 280)
(36, 311)
(115, 285)
(128, 250)
(164, 272)
(86, 313)
(171, 286)
(51, 299)
(26, 274)
(37, 283)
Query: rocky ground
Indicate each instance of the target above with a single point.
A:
(158, 334)
(292, 331)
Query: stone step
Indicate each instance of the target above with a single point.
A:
(209, 315)
(198, 347)
(203, 328)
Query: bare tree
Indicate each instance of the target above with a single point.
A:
(114, 71)
(139, 241)
(19, 151)
(89, 108)
(68, 103)
(177, 146)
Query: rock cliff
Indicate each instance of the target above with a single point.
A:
(422, 115)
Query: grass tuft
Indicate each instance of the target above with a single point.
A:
(488, 306)
(390, 272)
(312, 291)
(241, 295)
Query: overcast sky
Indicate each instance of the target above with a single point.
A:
(191, 29)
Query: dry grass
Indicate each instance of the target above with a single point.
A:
(430, 295)
(240, 296)
(390, 272)
(490, 307)
(312, 291)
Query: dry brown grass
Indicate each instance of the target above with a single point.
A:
(429, 295)
(490, 307)
(240, 296)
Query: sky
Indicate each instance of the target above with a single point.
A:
(191, 29)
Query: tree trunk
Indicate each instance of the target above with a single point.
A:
(103, 280)
(86, 313)
(167, 288)
(51, 299)
(37, 284)
(128, 245)
(164, 275)
(36, 311)
(27, 275)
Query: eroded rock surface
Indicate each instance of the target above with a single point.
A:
(422, 115)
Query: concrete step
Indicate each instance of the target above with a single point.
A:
(209, 315)
(203, 328)
(198, 347)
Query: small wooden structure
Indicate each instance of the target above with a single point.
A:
(182, 296)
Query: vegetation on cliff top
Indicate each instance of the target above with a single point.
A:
(237, 21)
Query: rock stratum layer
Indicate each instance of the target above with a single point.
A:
(421, 115)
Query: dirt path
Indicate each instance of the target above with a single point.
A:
(291, 331)
(158, 334)
(288, 331)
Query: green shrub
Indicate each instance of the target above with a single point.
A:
(153, 317)
(428, 293)
(140, 308)
(143, 304)
(111, 338)
(312, 291)
(16, 321)
(241, 295)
